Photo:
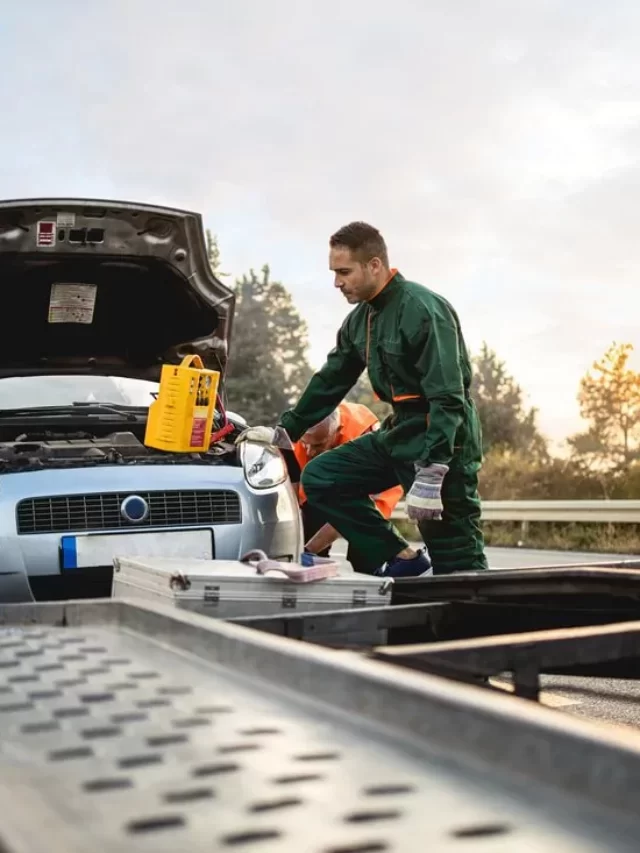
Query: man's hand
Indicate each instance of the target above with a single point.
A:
(423, 500)
(269, 436)
(324, 538)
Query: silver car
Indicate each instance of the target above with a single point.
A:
(96, 297)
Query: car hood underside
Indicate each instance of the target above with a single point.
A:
(107, 287)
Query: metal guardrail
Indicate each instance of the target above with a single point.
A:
(618, 512)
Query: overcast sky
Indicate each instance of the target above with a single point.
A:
(494, 142)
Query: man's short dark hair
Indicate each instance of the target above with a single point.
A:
(365, 241)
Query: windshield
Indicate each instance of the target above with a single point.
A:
(32, 392)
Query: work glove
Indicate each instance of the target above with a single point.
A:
(268, 436)
(424, 502)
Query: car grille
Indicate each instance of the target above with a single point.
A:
(62, 514)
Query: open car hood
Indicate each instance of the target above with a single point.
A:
(107, 287)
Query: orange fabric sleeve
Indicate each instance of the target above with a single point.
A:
(301, 458)
(387, 501)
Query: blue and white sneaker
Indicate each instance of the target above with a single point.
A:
(418, 566)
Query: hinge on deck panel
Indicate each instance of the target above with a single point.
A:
(179, 581)
(211, 594)
(289, 600)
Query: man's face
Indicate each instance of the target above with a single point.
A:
(356, 281)
(320, 438)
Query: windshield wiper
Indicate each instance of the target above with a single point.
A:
(129, 413)
(132, 412)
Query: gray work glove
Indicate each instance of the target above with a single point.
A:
(269, 436)
(423, 502)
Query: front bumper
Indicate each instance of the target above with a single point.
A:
(30, 564)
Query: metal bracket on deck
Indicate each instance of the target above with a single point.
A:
(607, 650)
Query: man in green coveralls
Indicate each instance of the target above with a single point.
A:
(409, 340)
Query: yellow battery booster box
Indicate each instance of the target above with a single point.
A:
(181, 419)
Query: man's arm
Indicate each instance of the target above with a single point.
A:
(327, 387)
(324, 538)
(437, 347)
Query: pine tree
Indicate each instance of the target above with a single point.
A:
(268, 368)
(507, 425)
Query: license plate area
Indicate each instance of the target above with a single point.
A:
(94, 550)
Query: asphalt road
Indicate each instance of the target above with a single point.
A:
(607, 701)
(515, 558)
(523, 558)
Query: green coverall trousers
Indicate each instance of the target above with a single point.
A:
(341, 480)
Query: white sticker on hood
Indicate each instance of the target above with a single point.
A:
(72, 303)
(65, 220)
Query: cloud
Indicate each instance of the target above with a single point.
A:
(494, 143)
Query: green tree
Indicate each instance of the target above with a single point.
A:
(609, 399)
(506, 423)
(213, 253)
(289, 337)
(268, 368)
(516, 475)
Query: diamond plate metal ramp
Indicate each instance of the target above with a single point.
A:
(129, 728)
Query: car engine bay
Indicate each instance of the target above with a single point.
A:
(38, 449)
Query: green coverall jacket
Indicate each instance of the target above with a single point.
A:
(409, 340)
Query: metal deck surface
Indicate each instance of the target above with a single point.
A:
(115, 739)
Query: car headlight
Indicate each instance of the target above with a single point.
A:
(263, 466)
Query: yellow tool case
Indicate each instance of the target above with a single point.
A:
(181, 419)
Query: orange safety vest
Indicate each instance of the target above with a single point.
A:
(355, 420)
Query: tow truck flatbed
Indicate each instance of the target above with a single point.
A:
(144, 728)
